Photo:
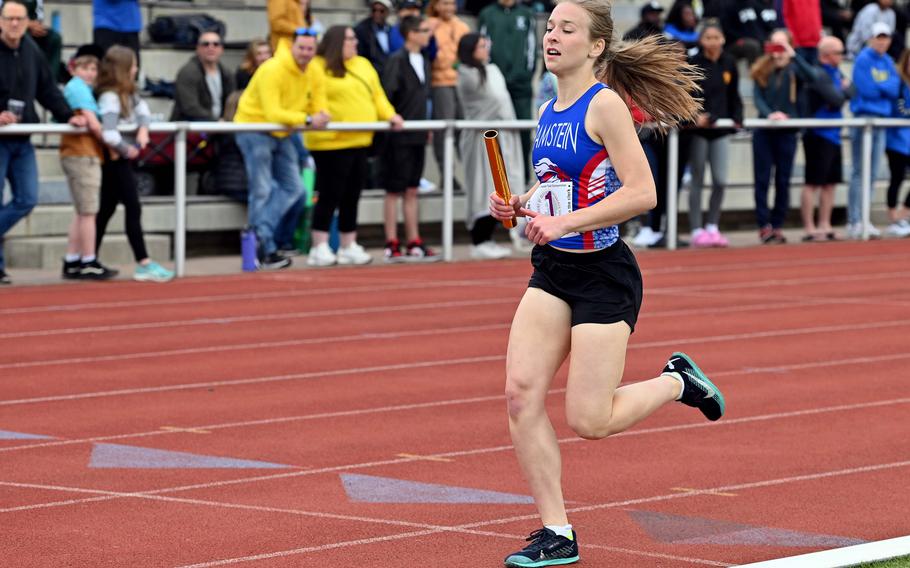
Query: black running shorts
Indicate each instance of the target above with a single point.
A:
(600, 287)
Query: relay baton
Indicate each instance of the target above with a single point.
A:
(498, 169)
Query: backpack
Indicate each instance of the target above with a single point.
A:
(184, 30)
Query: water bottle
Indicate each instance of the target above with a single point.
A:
(248, 249)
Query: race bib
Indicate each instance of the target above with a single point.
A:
(553, 198)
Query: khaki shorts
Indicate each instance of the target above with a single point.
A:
(83, 175)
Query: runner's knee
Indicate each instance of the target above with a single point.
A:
(522, 394)
(590, 426)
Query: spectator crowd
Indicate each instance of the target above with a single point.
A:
(407, 61)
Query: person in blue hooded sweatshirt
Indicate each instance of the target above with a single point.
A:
(877, 85)
(897, 146)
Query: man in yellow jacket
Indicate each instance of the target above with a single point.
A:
(286, 91)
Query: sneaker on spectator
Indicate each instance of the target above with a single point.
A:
(426, 186)
(646, 237)
(717, 238)
(702, 239)
(4, 278)
(899, 229)
(94, 270)
(418, 252)
(274, 261)
(71, 270)
(489, 250)
(766, 234)
(392, 251)
(353, 254)
(321, 255)
(288, 251)
(854, 231)
(152, 272)
(778, 237)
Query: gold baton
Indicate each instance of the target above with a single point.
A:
(498, 169)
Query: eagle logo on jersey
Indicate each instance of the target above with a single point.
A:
(546, 171)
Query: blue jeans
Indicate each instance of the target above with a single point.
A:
(772, 149)
(18, 165)
(272, 168)
(855, 193)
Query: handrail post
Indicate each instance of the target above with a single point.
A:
(672, 188)
(867, 174)
(448, 174)
(180, 199)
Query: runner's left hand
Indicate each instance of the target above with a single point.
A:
(544, 228)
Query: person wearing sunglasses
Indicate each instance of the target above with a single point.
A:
(203, 83)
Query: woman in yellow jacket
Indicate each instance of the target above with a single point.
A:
(448, 29)
(354, 94)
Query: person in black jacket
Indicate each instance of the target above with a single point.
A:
(373, 34)
(720, 99)
(406, 81)
(649, 24)
(746, 24)
(25, 77)
(203, 84)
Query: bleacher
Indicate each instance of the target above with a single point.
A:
(39, 240)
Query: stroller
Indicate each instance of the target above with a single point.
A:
(155, 165)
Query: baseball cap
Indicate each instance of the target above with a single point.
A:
(880, 28)
(407, 4)
(386, 3)
(89, 49)
(651, 7)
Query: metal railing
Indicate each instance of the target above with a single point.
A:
(448, 128)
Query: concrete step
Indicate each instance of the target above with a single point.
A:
(47, 252)
(203, 214)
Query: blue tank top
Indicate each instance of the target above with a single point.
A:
(563, 152)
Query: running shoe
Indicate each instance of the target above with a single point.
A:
(698, 392)
(321, 255)
(418, 252)
(274, 261)
(71, 269)
(392, 251)
(94, 270)
(353, 254)
(546, 548)
(4, 277)
(152, 272)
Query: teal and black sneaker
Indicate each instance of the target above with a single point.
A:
(699, 391)
(546, 549)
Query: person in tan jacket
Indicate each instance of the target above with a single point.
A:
(448, 29)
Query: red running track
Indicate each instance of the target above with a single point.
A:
(396, 372)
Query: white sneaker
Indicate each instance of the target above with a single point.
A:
(644, 237)
(899, 229)
(874, 233)
(854, 231)
(353, 254)
(321, 255)
(488, 250)
(426, 186)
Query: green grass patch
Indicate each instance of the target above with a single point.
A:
(902, 562)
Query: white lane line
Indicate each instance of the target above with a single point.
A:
(258, 380)
(318, 374)
(250, 296)
(409, 284)
(504, 448)
(842, 557)
(224, 320)
(390, 335)
(431, 305)
(600, 506)
(365, 336)
(434, 529)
